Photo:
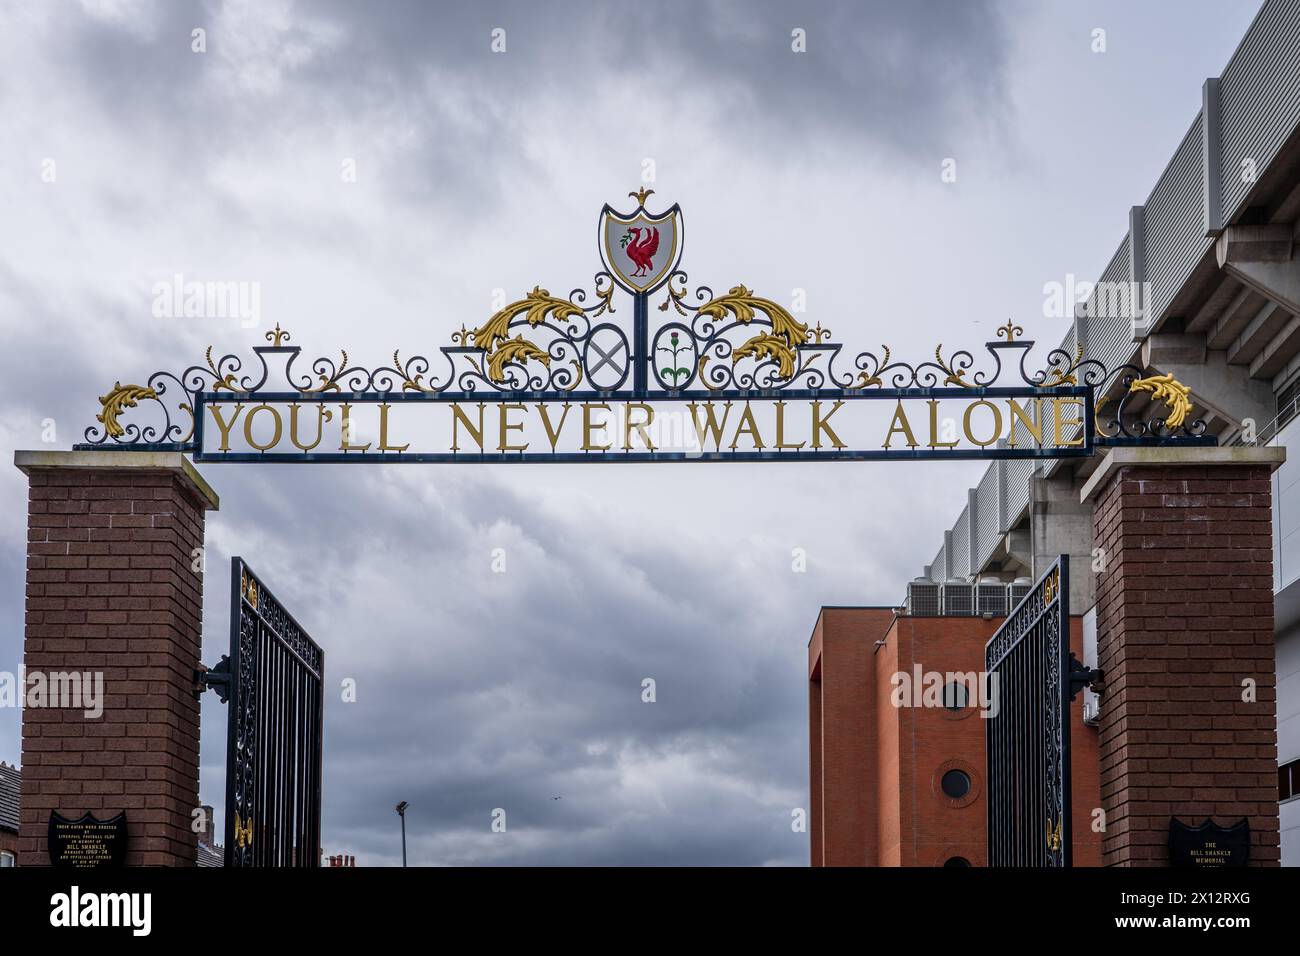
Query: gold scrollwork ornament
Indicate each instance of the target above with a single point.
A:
(787, 334)
(1167, 389)
(120, 398)
(954, 377)
(493, 336)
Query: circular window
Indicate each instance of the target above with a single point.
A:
(955, 784)
(956, 861)
(955, 696)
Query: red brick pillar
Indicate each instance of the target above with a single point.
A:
(841, 694)
(111, 591)
(1184, 619)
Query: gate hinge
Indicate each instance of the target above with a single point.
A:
(218, 678)
(1081, 676)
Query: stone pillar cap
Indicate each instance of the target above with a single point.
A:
(107, 460)
(1202, 455)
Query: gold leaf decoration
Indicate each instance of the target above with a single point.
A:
(410, 384)
(1010, 331)
(226, 381)
(535, 307)
(606, 297)
(674, 298)
(867, 379)
(770, 346)
(1065, 376)
(328, 383)
(787, 332)
(121, 397)
(1167, 389)
(954, 378)
(808, 362)
(493, 336)
(518, 349)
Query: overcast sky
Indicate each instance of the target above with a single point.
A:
(478, 170)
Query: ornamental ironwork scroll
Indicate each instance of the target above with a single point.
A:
(274, 732)
(732, 365)
(1027, 734)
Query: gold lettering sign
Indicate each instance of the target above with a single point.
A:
(900, 423)
(1033, 425)
(588, 427)
(997, 423)
(1058, 404)
(770, 428)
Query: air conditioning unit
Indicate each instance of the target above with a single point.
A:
(958, 599)
(991, 598)
(923, 598)
(1017, 591)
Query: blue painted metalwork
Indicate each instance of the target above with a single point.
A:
(693, 357)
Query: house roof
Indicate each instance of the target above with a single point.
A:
(210, 856)
(11, 781)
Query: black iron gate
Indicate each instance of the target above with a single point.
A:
(1028, 664)
(273, 748)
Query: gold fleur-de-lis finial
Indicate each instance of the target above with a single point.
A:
(276, 336)
(818, 334)
(1010, 331)
(641, 194)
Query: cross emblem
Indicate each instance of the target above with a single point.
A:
(610, 357)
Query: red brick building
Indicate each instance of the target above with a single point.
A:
(903, 785)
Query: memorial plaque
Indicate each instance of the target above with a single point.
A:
(1209, 844)
(87, 843)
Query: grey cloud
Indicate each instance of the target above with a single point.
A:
(903, 79)
(479, 691)
(530, 689)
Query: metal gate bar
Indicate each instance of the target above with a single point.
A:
(1028, 739)
(274, 738)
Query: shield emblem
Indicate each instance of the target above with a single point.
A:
(640, 250)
